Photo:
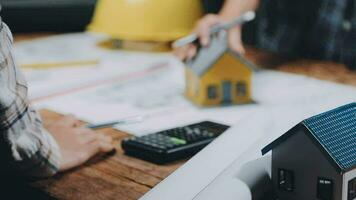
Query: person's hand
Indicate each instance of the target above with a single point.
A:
(202, 29)
(77, 143)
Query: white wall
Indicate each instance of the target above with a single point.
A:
(347, 177)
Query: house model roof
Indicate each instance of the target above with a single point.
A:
(334, 132)
(208, 56)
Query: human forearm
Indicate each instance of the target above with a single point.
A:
(34, 152)
(25, 144)
(235, 8)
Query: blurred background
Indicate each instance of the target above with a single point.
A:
(47, 15)
(72, 15)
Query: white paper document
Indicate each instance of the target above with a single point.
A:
(158, 96)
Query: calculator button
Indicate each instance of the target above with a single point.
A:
(178, 141)
(169, 146)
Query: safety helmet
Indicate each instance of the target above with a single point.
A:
(146, 20)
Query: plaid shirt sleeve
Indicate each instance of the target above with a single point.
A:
(26, 146)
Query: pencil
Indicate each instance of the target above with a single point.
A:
(60, 64)
(129, 120)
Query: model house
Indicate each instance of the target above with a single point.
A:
(316, 160)
(218, 76)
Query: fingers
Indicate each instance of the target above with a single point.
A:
(80, 150)
(186, 52)
(105, 138)
(203, 30)
(95, 147)
(235, 40)
(83, 131)
(181, 52)
(86, 138)
(192, 51)
(91, 137)
(101, 144)
(204, 26)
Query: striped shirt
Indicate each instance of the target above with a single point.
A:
(25, 146)
(317, 29)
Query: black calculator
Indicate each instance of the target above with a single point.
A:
(173, 144)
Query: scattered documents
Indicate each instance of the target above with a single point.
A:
(151, 85)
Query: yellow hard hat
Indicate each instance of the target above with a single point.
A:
(146, 20)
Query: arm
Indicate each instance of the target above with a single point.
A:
(235, 8)
(24, 144)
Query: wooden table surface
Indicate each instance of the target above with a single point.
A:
(112, 177)
(125, 178)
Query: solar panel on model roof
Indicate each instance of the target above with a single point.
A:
(336, 132)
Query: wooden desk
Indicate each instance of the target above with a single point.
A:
(125, 178)
(115, 177)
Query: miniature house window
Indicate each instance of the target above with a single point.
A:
(212, 92)
(241, 89)
(324, 189)
(285, 180)
(351, 194)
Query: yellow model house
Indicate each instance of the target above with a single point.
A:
(218, 76)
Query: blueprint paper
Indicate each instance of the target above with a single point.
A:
(159, 97)
(59, 48)
(126, 84)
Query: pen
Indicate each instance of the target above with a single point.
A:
(129, 120)
(248, 16)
